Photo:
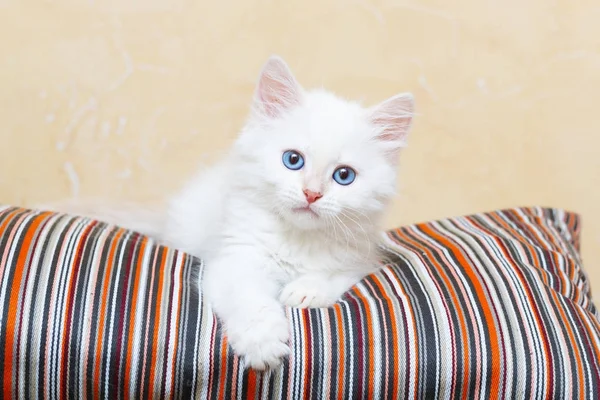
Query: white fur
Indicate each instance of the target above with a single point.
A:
(240, 216)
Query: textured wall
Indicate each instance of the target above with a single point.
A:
(122, 99)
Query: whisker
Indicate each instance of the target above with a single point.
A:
(362, 229)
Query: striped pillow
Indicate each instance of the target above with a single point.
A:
(492, 305)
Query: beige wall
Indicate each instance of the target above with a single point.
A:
(123, 98)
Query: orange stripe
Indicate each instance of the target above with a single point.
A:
(251, 393)
(337, 308)
(223, 367)
(8, 218)
(132, 313)
(306, 334)
(161, 277)
(110, 262)
(7, 385)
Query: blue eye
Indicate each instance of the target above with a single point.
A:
(344, 175)
(293, 160)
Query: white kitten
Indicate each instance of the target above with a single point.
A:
(292, 214)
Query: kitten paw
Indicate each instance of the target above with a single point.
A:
(261, 341)
(309, 291)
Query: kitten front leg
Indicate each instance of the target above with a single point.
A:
(318, 289)
(244, 297)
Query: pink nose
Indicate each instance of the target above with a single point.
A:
(311, 196)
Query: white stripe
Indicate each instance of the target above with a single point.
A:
(172, 337)
(297, 356)
(89, 296)
(138, 346)
(204, 334)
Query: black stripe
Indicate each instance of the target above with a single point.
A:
(78, 298)
(195, 315)
(152, 303)
(9, 277)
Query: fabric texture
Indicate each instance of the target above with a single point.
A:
(489, 306)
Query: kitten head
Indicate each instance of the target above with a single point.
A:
(319, 161)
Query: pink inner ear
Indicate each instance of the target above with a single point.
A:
(393, 129)
(275, 96)
(277, 89)
(393, 117)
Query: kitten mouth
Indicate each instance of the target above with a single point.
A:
(306, 210)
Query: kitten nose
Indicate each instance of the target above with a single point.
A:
(311, 196)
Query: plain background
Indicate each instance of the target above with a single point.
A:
(123, 99)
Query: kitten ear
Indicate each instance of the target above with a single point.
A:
(393, 119)
(277, 90)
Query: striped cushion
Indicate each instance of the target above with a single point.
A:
(492, 305)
